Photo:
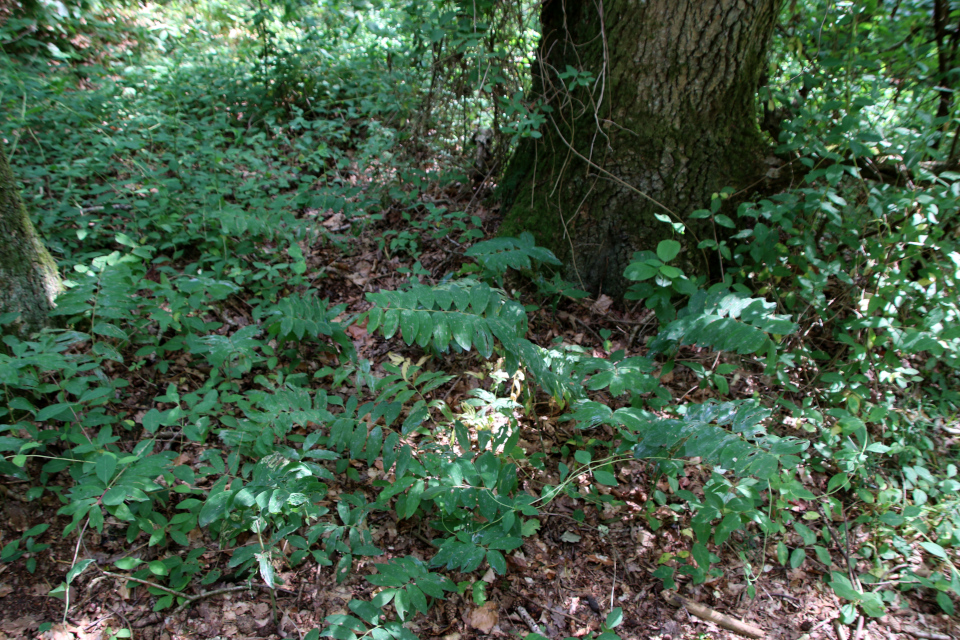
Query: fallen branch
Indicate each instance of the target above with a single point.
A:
(551, 610)
(189, 600)
(705, 613)
(534, 627)
(926, 635)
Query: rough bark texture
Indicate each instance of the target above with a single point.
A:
(29, 280)
(671, 113)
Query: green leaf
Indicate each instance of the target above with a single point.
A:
(366, 610)
(797, 557)
(665, 574)
(872, 605)
(59, 411)
(497, 562)
(338, 633)
(152, 420)
(838, 481)
(401, 602)
(417, 599)
(266, 568)
(391, 321)
(614, 618)
(943, 599)
(701, 555)
(822, 555)
(106, 465)
(441, 333)
(479, 298)
(409, 325)
(724, 221)
(374, 317)
(215, 508)
(639, 271)
(667, 250)
(413, 499)
(342, 571)
(783, 554)
(109, 330)
(809, 537)
(127, 564)
(77, 569)
(934, 548)
(605, 477)
(462, 327)
(843, 587)
(670, 271)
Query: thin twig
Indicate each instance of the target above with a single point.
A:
(927, 635)
(189, 600)
(859, 631)
(534, 627)
(124, 618)
(556, 611)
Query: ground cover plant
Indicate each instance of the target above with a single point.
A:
(297, 385)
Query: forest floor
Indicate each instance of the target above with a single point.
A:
(580, 564)
(565, 578)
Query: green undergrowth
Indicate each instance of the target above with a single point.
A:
(184, 194)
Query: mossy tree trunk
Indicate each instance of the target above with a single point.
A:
(667, 120)
(29, 280)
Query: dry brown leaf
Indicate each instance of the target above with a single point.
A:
(357, 333)
(335, 221)
(484, 618)
(602, 305)
(601, 559)
(58, 632)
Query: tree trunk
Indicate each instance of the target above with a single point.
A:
(29, 280)
(667, 120)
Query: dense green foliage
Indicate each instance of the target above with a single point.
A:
(180, 179)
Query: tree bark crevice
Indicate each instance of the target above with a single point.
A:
(671, 114)
(29, 280)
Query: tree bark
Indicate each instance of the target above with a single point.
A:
(668, 119)
(29, 280)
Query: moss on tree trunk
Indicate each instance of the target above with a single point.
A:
(668, 119)
(29, 280)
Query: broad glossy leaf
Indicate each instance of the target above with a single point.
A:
(391, 321)
(441, 332)
(409, 325)
(667, 250)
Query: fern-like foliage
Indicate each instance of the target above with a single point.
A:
(463, 314)
(725, 321)
(299, 317)
(499, 254)
(730, 435)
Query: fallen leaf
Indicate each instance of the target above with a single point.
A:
(601, 559)
(335, 221)
(58, 632)
(602, 305)
(484, 618)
